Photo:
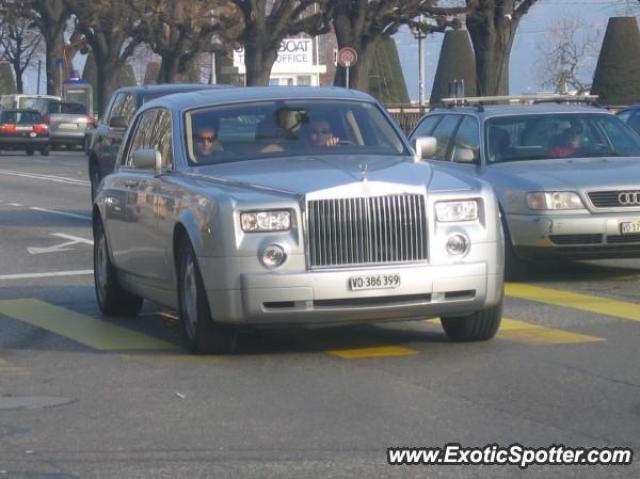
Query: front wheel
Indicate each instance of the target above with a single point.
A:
(479, 326)
(204, 335)
(113, 300)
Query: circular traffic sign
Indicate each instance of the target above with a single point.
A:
(347, 57)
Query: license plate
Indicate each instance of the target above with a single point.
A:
(631, 227)
(68, 126)
(374, 281)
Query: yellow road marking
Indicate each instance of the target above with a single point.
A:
(374, 352)
(92, 332)
(528, 333)
(8, 368)
(581, 302)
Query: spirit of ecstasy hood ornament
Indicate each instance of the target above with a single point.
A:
(363, 170)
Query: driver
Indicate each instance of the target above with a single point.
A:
(206, 143)
(568, 144)
(321, 133)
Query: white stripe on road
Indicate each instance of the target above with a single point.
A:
(50, 274)
(55, 179)
(17, 205)
(77, 239)
(62, 213)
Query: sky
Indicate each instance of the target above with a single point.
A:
(533, 27)
(523, 76)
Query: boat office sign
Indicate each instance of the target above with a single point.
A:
(294, 55)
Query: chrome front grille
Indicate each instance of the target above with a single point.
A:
(363, 231)
(611, 199)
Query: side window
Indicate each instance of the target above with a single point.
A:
(426, 127)
(443, 133)
(161, 138)
(467, 139)
(116, 107)
(141, 136)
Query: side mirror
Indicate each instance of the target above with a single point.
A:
(118, 122)
(147, 159)
(464, 155)
(426, 147)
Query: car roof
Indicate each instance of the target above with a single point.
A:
(168, 87)
(489, 111)
(185, 101)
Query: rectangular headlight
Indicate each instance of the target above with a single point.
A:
(451, 211)
(554, 200)
(258, 221)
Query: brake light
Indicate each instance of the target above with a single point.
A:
(8, 128)
(41, 128)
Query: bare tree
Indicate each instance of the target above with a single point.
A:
(492, 25)
(268, 22)
(361, 24)
(567, 56)
(111, 31)
(179, 30)
(19, 42)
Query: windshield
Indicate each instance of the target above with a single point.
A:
(289, 128)
(67, 108)
(21, 117)
(537, 137)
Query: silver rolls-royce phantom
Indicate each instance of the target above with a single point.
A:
(291, 206)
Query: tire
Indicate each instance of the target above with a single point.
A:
(29, 151)
(113, 300)
(94, 179)
(480, 326)
(45, 151)
(204, 335)
(515, 268)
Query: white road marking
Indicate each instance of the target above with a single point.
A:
(62, 213)
(50, 274)
(66, 246)
(17, 205)
(55, 179)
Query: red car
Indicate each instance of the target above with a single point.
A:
(24, 130)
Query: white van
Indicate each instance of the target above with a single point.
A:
(27, 102)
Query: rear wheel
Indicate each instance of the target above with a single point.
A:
(204, 335)
(113, 300)
(480, 326)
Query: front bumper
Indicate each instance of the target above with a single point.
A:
(324, 297)
(575, 236)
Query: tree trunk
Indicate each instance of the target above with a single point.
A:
(258, 61)
(169, 68)
(107, 70)
(18, 72)
(492, 38)
(54, 40)
(348, 36)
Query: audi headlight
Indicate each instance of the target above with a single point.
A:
(259, 221)
(554, 200)
(450, 211)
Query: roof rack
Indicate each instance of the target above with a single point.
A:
(480, 101)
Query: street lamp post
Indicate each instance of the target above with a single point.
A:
(420, 36)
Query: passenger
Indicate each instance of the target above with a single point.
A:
(206, 144)
(321, 133)
(567, 144)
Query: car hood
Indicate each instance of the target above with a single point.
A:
(299, 176)
(578, 173)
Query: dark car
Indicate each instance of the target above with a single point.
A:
(68, 123)
(24, 130)
(109, 131)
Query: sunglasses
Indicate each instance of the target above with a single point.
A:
(321, 131)
(205, 139)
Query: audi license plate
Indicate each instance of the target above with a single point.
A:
(630, 228)
(68, 126)
(374, 281)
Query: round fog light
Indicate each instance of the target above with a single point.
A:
(273, 256)
(457, 245)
